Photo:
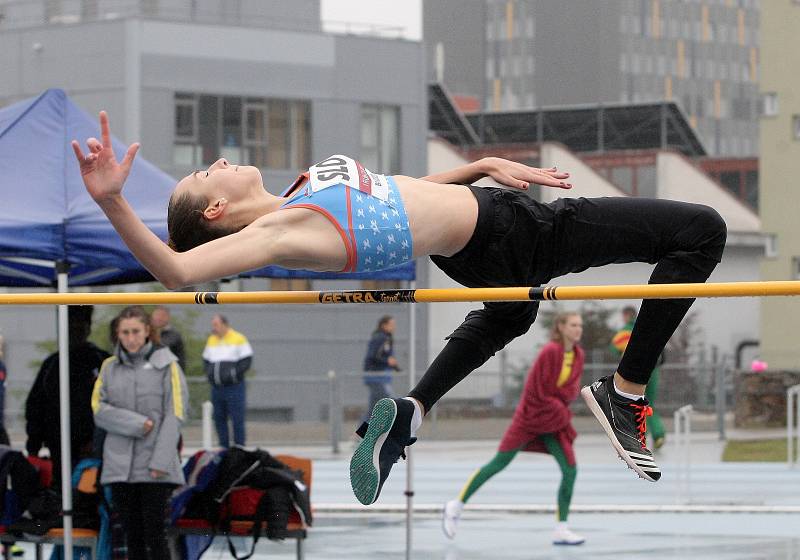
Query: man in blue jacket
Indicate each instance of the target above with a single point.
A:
(380, 362)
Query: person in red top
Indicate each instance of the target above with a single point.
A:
(542, 423)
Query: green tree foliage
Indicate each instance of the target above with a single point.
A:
(184, 320)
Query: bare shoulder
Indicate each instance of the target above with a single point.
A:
(302, 238)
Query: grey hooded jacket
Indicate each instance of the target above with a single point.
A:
(130, 389)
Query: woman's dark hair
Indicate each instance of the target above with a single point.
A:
(188, 226)
(136, 312)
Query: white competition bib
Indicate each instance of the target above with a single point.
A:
(339, 169)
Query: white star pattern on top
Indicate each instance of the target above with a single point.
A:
(376, 229)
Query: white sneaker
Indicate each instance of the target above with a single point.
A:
(562, 535)
(450, 516)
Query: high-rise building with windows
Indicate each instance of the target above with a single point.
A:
(702, 54)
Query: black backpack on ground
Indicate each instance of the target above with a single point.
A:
(274, 491)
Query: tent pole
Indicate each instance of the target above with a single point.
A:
(62, 268)
(412, 380)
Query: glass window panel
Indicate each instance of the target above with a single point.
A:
(369, 138)
(751, 188)
(278, 134)
(390, 141)
(186, 155)
(289, 284)
(208, 133)
(730, 180)
(255, 121)
(301, 135)
(184, 120)
(381, 284)
(256, 135)
(622, 177)
(231, 129)
(646, 181)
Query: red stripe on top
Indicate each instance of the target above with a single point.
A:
(350, 249)
(351, 264)
(364, 180)
(301, 180)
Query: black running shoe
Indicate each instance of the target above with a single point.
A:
(387, 435)
(624, 422)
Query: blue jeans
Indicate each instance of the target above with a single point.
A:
(379, 387)
(229, 402)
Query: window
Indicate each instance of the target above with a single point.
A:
(769, 104)
(382, 284)
(262, 132)
(289, 284)
(795, 268)
(380, 138)
(255, 132)
(796, 127)
(771, 246)
(186, 152)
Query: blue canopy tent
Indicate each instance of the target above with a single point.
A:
(53, 235)
(48, 217)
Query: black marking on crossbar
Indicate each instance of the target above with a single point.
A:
(368, 296)
(205, 298)
(542, 294)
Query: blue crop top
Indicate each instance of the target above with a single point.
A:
(365, 208)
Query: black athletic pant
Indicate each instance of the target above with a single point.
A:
(521, 242)
(143, 508)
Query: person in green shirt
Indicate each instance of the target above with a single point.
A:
(618, 345)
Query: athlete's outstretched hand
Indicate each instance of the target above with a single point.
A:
(521, 176)
(102, 174)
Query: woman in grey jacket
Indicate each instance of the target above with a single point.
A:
(140, 400)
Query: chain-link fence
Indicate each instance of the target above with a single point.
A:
(297, 409)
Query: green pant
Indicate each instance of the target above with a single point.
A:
(503, 458)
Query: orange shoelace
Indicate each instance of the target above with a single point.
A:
(642, 412)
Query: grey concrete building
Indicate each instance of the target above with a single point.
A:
(702, 54)
(255, 81)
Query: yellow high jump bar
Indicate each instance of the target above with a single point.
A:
(545, 293)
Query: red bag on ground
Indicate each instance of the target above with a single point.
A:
(44, 467)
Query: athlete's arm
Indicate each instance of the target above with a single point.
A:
(508, 173)
(253, 247)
